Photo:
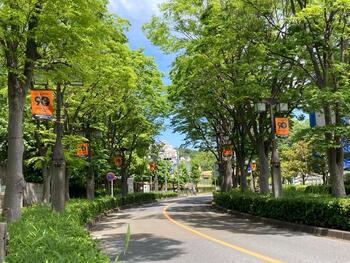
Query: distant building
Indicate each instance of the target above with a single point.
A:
(167, 151)
(207, 174)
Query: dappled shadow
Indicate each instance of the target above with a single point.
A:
(142, 247)
(197, 214)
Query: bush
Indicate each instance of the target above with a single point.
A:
(312, 189)
(42, 236)
(321, 211)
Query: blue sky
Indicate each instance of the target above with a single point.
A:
(139, 12)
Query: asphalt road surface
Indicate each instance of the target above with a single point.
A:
(189, 230)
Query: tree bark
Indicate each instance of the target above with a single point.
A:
(90, 179)
(15, 182)
(264, 168)
(46, 183)
(90, 183)
(335, 157)
(234, 176)
(226, 184)
(336, 171)
(66, 184)
(59, 163)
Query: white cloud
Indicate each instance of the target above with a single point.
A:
(136, 7)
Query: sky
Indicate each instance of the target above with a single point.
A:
(138, 12)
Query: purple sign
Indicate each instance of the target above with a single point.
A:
(111, 176)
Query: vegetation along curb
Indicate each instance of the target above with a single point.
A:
(317, 231)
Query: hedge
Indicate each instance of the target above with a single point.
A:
(43, 236)
(322, 211)
(315, 189)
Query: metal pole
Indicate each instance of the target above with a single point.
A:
(275, 161)
(166, 178)
(112, 188)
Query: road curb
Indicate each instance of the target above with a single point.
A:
(98, 218)
(317, 231)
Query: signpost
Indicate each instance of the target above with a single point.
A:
(111, 177)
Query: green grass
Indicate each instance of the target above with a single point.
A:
(43, 236)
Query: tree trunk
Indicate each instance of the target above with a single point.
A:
(59, 164)
(234, 175)
(264, 168)
(156, 182)
(90, 179)
(90, 183)
(46, 183)
(15, 182)
(251, 183)
(66, 184)
(124, 180)
(336, 171)
(243, 172)
(226, 184)
(335, 157)
(244, 185)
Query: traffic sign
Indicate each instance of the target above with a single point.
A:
(110, 176)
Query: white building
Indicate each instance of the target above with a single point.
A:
(167, 151)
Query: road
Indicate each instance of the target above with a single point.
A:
(189, 230)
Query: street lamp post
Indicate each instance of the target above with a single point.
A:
(275, 161)
(166, 173)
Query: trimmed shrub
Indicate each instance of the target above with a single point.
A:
(43, 236)
(321, 211)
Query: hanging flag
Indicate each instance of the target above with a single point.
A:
(152, 166)
(253, 167)
(42, 104)
(83, 150)
(118, 161)
(282, 126)
(227, 150)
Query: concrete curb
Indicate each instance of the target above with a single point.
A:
(317, 231)
(97, 219)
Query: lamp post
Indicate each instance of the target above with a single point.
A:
(166, 173)
(275, 161)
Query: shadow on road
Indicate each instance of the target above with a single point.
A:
(198, 213)
(142, 247)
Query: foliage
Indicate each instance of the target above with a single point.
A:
(42, 236)
(313, 189)
(315, 210)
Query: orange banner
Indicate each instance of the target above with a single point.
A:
(42, 103)
(152, 167)
(253, 167)
(118, 161)
(227, 150)
(282, 126)
(83, 150)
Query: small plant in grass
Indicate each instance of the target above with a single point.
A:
(126, 244)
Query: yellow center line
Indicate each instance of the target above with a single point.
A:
(237, 248)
